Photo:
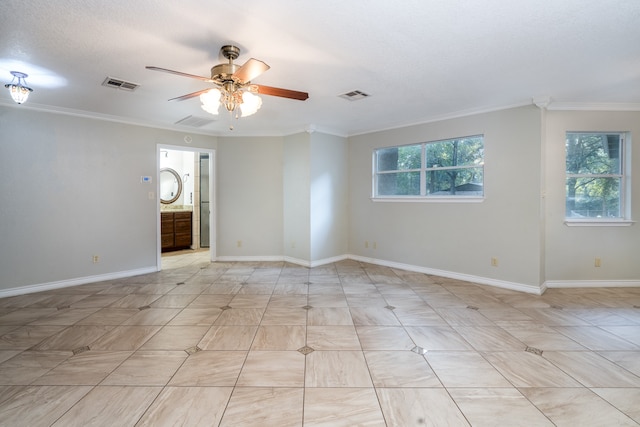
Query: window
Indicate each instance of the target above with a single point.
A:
(451, 168)
(595, 180)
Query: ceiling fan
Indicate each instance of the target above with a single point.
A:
(233, 87)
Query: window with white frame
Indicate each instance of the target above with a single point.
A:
(451, 168)
(596, 176)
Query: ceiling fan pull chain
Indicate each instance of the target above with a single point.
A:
(231, 120)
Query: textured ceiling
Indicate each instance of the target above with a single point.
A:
(420, 60)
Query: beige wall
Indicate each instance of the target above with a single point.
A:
(296, 189)
(458, 238)
(250, 196)
(571, 251)
(329, 188)
(71, 189)
(315, 197)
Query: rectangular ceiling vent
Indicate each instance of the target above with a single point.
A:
(354, 95)
(119, 84)
(193, 121)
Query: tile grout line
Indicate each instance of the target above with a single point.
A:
(460, 292)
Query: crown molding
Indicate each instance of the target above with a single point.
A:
(594, 106)
(446, 116)
(104, 117)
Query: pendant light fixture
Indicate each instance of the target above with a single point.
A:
(19, 90)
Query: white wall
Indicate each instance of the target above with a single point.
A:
(71, 189)
(571, 251)
(250, 199)
(458, 237)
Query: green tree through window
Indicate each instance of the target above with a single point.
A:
(455, 166)
(594, 175)
(452, 167)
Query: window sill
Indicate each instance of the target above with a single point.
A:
(598, 223)
(429, 199)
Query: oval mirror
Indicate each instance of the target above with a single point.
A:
(170, 186)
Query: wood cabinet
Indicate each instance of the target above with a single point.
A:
(175, 230)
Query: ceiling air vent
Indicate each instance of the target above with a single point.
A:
(119, 84)
(194, 121)
(354, 95)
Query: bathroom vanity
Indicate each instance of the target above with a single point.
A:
(175, 230)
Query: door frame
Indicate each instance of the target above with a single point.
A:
(212, 198)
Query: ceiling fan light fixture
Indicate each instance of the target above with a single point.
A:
(211, 101)
(238, 101)
(234, 90)
(19, 90)
(230, 100)
(250, 104)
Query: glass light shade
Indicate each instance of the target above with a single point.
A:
(211, 101)
(250, 104)
(19, 93)
(18, 90)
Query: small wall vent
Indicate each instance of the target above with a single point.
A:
(194, 121)
(354, 95)
(119, 84)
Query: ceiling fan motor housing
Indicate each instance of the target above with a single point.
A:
(223, 72)
(235, 79)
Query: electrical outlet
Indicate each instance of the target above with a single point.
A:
(494, 262)
(239, 243)
(375, 245)
(96, 259)
(597, 262)
(366, 243)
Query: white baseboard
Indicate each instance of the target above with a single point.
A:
(29, 289)
(292, 260)
(326, 261)
(559, 284)
(530, 289)
(273, 258)
(442, 273)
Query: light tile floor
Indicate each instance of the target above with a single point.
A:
(346, 344)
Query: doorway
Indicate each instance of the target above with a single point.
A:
(194, 169)
(205, 202)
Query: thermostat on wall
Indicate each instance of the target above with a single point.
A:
(145, 179)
